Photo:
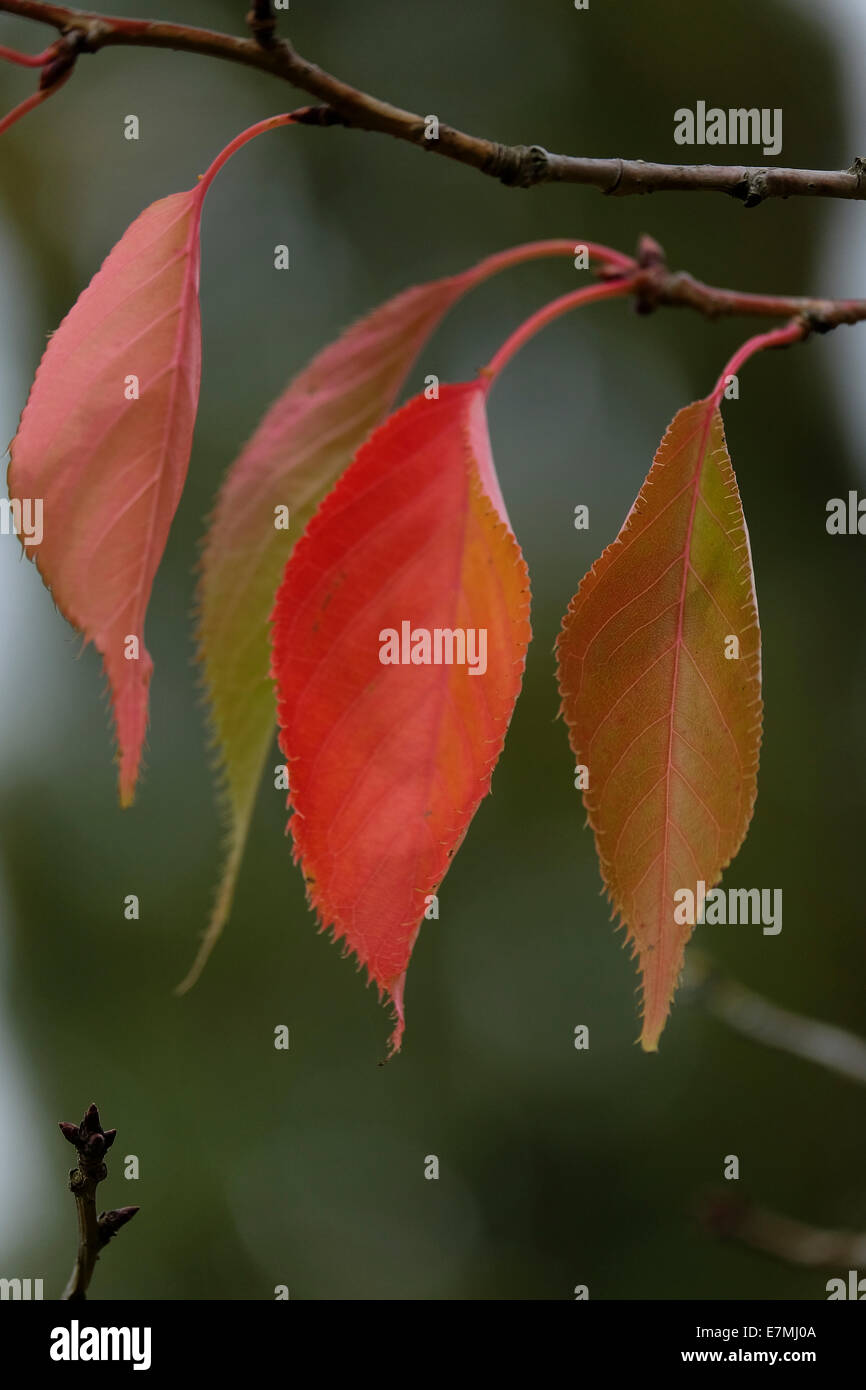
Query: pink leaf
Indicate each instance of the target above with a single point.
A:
(105, 439)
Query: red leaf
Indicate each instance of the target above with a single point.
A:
(303, 444)
(389, 762)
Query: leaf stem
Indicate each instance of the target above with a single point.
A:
(36, 99)
(777, 337)
(28, 60)
(536, 250)
(271, 123)
(606, 289)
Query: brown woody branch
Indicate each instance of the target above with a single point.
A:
(521, 166)
(656, 286)
(92, 1143)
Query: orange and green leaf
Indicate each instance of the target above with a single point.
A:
(667, 725)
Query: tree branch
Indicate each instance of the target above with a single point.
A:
(654, 285)
(94, 1232)
(785, 1238)
(757, 1018)
(521, 166)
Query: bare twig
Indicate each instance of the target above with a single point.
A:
(736, 1218)
(521, 166)
(653, 285)
(94, 1232)
(755, 1017)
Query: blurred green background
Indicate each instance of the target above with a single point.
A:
(558, 1167)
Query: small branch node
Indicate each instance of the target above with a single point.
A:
(650, 255)
(262, 22)
(318, 115)
(816, 321)
(609, 192)
(654, 278)
(87, 34)
(517, 166)
(110, 1222)
(756, 188)
(858, 169)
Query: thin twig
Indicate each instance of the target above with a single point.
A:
(736, 1218)
(522, 166)
(92, 1142)
(757, 1018)
(795, 1242)
(655, 286)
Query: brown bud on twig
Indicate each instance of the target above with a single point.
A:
(92, 1142)
(110, 1222)
(89, 1138)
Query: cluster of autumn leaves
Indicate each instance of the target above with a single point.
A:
(394, 518)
